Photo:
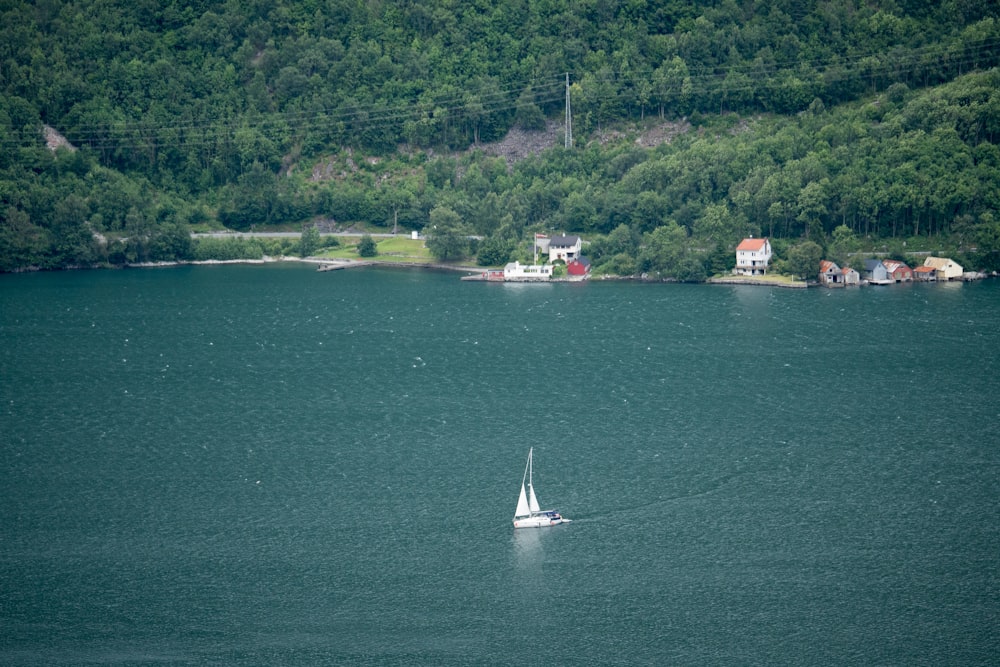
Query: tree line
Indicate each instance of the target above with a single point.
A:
(905, 171)
(803, 116)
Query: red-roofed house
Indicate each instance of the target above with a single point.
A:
(925, 274)
(752, 257)
(830, 273)
(898, 271)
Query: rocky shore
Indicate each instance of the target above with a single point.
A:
(767, 282)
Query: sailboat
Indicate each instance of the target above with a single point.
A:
(528, 513)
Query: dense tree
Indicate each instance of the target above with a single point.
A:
(882, 117)
(367, 247)
(448, 236)
(803, 259)
(664, 250)
(496, 250)
(309, 241)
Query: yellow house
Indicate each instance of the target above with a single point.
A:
(945, 268)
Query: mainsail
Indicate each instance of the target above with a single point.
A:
(527, 504)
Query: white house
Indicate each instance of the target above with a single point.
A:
(566, 248)
(517, 272)
(752, 257)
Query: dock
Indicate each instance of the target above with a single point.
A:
(338, 265)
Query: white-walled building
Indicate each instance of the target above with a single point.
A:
(752, 257)
(566, 248)
(517, 272)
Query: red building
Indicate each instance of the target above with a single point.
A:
(578, 267)
(898, 271)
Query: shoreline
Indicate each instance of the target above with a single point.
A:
(763, 282)
(322, 264)
(326, 265)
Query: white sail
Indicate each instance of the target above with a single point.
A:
(529, 513)
(532, 500)
(522, 504)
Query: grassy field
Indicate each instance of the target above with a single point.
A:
(770, 279)
(396, 249)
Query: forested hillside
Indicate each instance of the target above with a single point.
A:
(830, 126)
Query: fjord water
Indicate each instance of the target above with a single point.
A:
(250, 465)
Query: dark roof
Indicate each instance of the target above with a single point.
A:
(563, 241)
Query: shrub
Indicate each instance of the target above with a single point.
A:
(367, 247)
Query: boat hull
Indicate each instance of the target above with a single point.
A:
(538, 521)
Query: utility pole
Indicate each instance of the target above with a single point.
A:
(569, 117)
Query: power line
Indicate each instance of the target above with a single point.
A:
(125, 134)
(569, 117)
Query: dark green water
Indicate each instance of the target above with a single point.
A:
(249, 465)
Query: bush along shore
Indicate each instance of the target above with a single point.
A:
(341, 251)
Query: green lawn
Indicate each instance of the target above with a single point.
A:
(769, 278)
(396, 249)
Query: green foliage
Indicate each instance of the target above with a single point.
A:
(171, 242)
(986, 253)
(495, 251)
(621, 264)
(309, 241)
(227, 249)
(367, 246)
(844, 245)
(690, 270)
(448, 236)
(803, 259)
(663, 250)
(720, 261)
(881, 117)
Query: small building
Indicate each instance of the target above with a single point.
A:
(830, 274)
(542, 243)
(898, 271)
(752, 257)
(578, 268)
(945, 268)
(876, 273)
(851, 277)
(566, 248)
(517, 272)
(925, 274)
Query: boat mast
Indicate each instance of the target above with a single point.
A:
(527, 470)
(532, 499)
(530, 487)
